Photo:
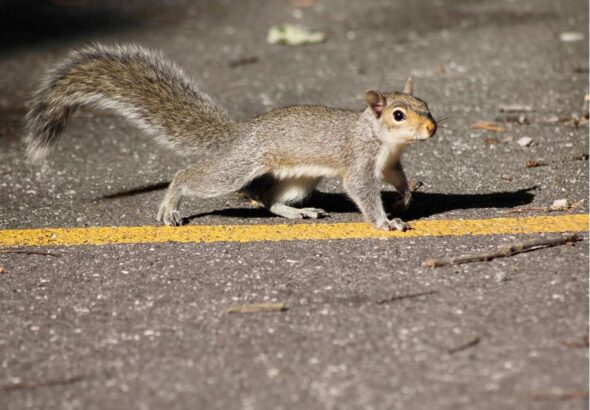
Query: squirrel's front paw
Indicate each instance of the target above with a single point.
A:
(397, 224)
(169, 217)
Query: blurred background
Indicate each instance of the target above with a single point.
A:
(455, 48)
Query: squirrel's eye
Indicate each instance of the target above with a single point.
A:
(398, 115)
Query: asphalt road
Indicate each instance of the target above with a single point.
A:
(145, 326)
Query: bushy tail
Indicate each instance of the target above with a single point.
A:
(141, 85)
(44, 123)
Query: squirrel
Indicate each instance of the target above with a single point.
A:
(290, 148)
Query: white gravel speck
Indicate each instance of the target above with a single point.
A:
(525, 141)
(570, 36)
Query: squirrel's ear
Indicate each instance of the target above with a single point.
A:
(409, 88)
(376, 101)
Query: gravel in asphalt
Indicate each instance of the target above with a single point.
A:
(146, 325)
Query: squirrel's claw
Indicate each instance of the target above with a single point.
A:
(169, 217)
(397, 224)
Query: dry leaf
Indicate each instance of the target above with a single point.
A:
(292, 35)
(560, 205)
(531, 163)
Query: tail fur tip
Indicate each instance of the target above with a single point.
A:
(36, 153)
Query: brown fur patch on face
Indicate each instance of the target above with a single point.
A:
(416, 111)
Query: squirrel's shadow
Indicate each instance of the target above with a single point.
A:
(424, 204)
(136, 191)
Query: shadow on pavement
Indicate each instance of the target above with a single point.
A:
(424, 204)
(136, 191)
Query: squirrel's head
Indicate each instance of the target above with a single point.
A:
(400, 118)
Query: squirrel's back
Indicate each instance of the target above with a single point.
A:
(139, 84)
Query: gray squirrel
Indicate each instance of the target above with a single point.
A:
(293, 147)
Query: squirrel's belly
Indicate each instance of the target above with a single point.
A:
(308, 171)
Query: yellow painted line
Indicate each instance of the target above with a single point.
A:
(286, 232)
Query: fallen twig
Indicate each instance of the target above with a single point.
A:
(533, 163)
(503, 251)
(489, 126)
(243, 61)
(516, 118)
(529, 209)
(515, 108)
(572, 120)
(575, 205)
(416, 185)
(559, 394)
(583, 342)
(29, 252)
(406, 296)
(473, 342)
(539, 209)
(258, 307)
(23, 385)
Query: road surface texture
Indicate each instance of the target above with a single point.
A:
(144, 324)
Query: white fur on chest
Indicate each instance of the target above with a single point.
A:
(387, 157)
(304, 171)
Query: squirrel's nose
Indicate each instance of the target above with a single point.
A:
(431, 128)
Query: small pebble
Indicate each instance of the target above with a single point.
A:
(503, 277)
(525, 141)
(569, 37)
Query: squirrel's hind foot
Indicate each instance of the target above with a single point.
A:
(314, 213)
(290, 212)
(169, 216)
